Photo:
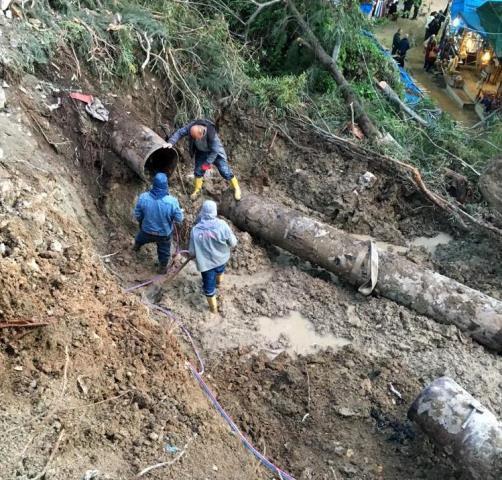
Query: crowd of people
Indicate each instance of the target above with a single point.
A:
(157, 211)
(401, 43)
(393, 6)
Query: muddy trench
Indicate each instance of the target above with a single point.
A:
(307, 367)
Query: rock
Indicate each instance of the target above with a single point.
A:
(4, 5)
(340, 451)
(153, 436)
(348, 470)
(345, 412)
(367, 180)
(32, 266)
(56, 246)
(490, 184)
(95, 475)
(3, 249)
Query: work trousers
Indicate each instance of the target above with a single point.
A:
(220, 163)
(163, 245)
(209, 280)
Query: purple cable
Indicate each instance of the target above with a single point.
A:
(264, 460)
(184, 330)
(158, 277)
(198, 375)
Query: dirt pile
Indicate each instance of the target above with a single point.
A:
(330, 415)
(104, 386)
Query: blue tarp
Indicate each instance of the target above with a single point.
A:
(465, 6)
(412, 94)
(482, 16)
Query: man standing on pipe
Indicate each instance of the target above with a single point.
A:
(205, 145)
(210, 242)
(156, 211)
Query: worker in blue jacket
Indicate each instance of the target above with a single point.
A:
(210, 242)
(156, 211)
(205, 145)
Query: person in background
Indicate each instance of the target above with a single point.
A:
(449, 50)
(392, 10)
(416, 4)
(431, 53)
(395, 41)
(205, 145)
(211, 240)
(402, 49)
(434, 25)
(407, 8)
(156, 211)
(430, 17)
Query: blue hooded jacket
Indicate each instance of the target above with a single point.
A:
(156, 210)
(211, 239)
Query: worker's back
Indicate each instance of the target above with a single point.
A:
(211, 239)
(156, 210)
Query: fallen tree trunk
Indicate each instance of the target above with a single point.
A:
(329, 63)
(408, 284)
(393, 98)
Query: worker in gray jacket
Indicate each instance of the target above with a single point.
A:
(210, 242)
(207, 149)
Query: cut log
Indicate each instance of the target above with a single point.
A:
(393, 98)
(408, 284)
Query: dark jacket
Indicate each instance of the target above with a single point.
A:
(404, 46)
(213, 141)
(395, 42)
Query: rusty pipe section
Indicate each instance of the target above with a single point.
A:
(455, 421)
(142, 149)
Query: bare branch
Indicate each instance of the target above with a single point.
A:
(146, 47)
(260, 6)
(336, 48)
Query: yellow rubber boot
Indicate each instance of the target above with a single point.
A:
(197, 187)
(234, 185)
(213, 304)
(219, 279)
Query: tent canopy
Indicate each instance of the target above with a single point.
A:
(490, 19)
(483, 16)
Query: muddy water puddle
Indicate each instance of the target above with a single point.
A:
(431, 243)
(295, 334)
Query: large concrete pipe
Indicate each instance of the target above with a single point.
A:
(142, 149)
(399, 279)
(462, 427)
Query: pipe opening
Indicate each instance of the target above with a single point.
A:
(162, 160)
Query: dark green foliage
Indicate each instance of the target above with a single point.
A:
(205, 52)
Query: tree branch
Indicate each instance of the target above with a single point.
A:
(336, 48)
(260, 6)
(329, 64)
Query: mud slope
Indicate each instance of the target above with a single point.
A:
(104, 377)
